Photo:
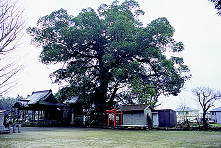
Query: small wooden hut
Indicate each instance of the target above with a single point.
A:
(139, 115)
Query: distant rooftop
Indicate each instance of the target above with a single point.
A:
(218, 109)
(186, 109)
(72, 100)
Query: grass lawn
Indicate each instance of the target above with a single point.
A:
(93, 137)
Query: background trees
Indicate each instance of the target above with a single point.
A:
(11, 24)
(8, 103)
(109, 56)
(206, 97)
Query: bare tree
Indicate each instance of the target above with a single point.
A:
(217, 4)
(183, 106)
(206, 98)
(11, 25)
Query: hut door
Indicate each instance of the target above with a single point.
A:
(155, 120)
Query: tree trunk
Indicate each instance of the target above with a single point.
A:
(204, 120)
(100, 96)
(111, 101)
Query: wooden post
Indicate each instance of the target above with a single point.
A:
(114, 119)
(22, 115)
(33, 115)
(108, 119)
(14, 128)
(38, 115)
(121, 119)
(9, 128)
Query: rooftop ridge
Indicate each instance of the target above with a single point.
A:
(41, 91)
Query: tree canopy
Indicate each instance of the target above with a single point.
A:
(8, 103)
(109, 57)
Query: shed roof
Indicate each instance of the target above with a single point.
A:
(136, 107)
(218, 109)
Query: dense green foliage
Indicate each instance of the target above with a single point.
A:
(109, 56)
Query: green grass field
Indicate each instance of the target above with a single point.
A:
(94, 137)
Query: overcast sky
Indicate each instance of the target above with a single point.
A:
(195, 22)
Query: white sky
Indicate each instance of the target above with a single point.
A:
(195, 22)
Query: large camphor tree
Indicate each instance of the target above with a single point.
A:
(109, 57)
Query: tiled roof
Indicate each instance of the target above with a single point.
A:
(38, 96)
(133, 107)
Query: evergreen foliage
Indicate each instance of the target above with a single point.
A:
(109, 57)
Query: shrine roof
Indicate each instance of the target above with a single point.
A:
(39, 98)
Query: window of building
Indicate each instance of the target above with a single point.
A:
(213, 113)
(180, 113)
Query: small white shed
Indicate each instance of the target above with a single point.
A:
(136, 115)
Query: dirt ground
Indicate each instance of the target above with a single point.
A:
(97, 137)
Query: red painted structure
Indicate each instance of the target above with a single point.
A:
(115, 113)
